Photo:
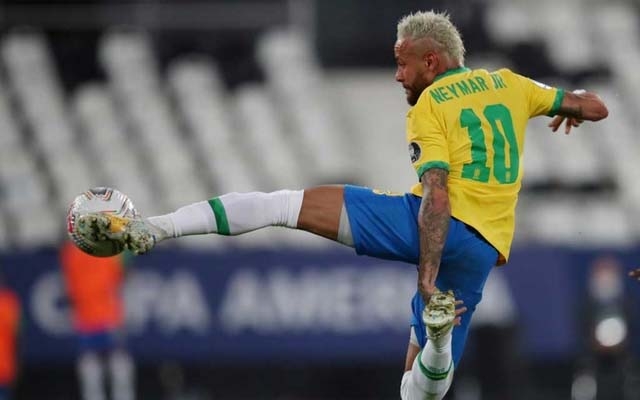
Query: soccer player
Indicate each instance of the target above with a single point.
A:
(465, 132)
(94, 287)
(10, 312)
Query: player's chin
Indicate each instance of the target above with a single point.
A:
(411, 99)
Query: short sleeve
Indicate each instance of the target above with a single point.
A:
(427, 139)
(541, 99)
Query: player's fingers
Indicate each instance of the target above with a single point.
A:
(458, 302)
(556, 122)
(460, 311)
(567, 127)
(457, 321)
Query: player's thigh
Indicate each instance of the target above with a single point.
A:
(465, 270)
(320, 211)
(383, 224)
(466, 274)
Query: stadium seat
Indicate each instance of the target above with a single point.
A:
(39, 227)
(551, 219)
(130, 63)
(602, 225)
(4, 233)
(618, 144)
(201, 102)
(373, 106)
(112, 150)
(265, 133)
(511, 22)
(574, 161)
(71, 174)
(22, 185)
(537, 162)
(575, 51)
(23, 188)
(294, 74)
(34, 80)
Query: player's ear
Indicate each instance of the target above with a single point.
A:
(430, 59)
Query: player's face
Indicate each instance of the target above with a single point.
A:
(413, 70)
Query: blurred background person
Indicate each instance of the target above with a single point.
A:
(494, 370)
(607, 363)
(94, 287)
(9, 334)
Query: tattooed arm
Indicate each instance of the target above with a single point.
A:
(433, 223)
(578, 106)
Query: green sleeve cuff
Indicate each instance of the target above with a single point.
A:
(432, 164)
(556, 103)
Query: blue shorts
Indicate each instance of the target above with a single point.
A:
(100, 341)
(386, 226)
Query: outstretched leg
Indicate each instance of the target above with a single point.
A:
(316, 210)
(321, 210)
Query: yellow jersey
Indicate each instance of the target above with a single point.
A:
(472, 123)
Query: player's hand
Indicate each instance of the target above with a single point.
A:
(461, 310)
(427, 291)
(635, 274)
(570, 123)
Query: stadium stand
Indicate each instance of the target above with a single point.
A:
(151, 122)
(201, 100)
(104, 132)
(295, 77)
(265, 133)
(130, 63)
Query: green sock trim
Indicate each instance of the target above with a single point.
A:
(221, 216)
(434, 376)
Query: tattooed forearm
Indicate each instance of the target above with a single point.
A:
(433, 223)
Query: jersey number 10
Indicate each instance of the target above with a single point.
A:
(477, 169)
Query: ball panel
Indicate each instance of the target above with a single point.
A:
(102, 200)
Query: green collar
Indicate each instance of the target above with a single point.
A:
(451, 72)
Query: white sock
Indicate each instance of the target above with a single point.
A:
(441, 344)
(91, 373)
(232, 214)
(436, 360)
(432, 372)
(122, 373)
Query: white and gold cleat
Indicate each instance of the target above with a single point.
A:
(134, 234)
(439, 314)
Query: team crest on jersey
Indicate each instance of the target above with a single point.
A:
(414, 151)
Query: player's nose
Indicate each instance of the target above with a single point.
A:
(399, 77)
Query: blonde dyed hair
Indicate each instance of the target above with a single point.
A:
(434, 26)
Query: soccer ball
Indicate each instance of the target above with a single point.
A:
(98, 200)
